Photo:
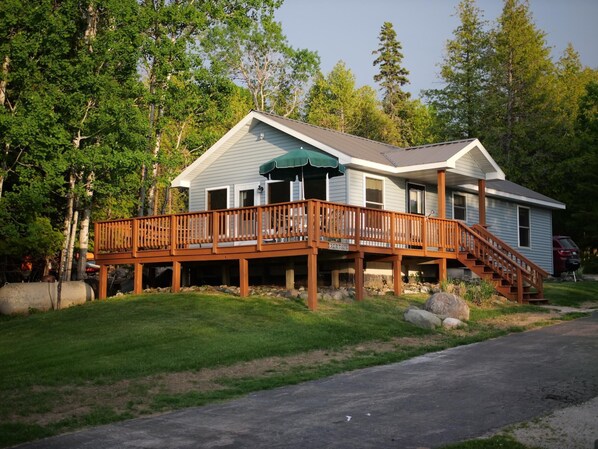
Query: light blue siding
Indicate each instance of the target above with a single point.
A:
(394, 190)
(501, 217)
(240, 163)
(466, 165)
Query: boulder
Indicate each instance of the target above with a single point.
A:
(19, 298)
(422, 318)
(452, 323)
(447, 305)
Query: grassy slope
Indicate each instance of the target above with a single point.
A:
(571, 294)
(135, 336)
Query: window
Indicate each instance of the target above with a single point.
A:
(246, 198)
(374, 193)
(279, 192)
(416, 196)
(459, 207)
(315, 188)
(217, 199)
(523, 223)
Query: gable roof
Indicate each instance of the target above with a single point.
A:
(355, 151)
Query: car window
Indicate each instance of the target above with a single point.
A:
(567, 243)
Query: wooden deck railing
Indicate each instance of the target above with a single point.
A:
(532, 272)
(311, 221)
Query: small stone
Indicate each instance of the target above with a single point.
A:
(452, 323)
(422, 318)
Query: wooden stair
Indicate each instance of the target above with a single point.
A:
(512, 274)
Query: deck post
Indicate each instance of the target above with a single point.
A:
(290, 275)
(103, 287)
(441, 193)
(482, 201)
(243, 278)
(176, 277)
(312, 280)
(397, 276)
(336, 280)
(519, 286)
(359, 276)
(442, 272)
(138, 279)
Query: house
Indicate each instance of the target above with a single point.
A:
(398, 211)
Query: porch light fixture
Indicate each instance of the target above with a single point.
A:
(260, 189)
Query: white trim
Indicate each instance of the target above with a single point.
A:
(453, 199)
(497, 174)
(511, 196)
(184, 179)
(227, 188)
(380, 178)
(529, 228)
(247, 186)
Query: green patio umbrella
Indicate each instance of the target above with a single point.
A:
(302, 164)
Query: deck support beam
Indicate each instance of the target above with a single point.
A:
(138, 279)
(359, 276)
(442, 271)
(290, 275)
(336, 279)
(312, 280)
(176, 277)
(397, 276)
(243, 278)
(482, 201)
(441, 193)
(103, 287)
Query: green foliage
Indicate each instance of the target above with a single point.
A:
(478, 292)
(464, 71)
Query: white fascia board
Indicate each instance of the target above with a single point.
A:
(342, 157)
(511, 196)
(496, 174)
(184, 179)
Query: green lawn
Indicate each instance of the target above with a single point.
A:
(571, 294)
(107, 360)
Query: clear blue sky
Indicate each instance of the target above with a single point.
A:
(348, 30)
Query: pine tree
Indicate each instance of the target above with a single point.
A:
(392, 76)
(464, 72)
(519, 118)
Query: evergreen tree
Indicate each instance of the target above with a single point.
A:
(392, 77)
(519, 117)
(459, 104)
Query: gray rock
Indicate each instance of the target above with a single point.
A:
(452, 323)
(422, 318)
(447, 305)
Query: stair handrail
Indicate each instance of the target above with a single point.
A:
(495, 251)
(529, 273)
(505, 246)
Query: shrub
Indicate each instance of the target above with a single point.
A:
(478, 291)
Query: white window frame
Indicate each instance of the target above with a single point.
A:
(408, 184)
(381, 178)
(248, 186)
(464, 196)
(529, 227)
(218, 188)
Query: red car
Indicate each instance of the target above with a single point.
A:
(565, 254)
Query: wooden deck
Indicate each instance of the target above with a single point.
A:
(302, 228)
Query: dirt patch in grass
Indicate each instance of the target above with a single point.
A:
(524, 320)
(135, 396)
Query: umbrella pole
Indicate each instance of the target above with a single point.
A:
(302, 185)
